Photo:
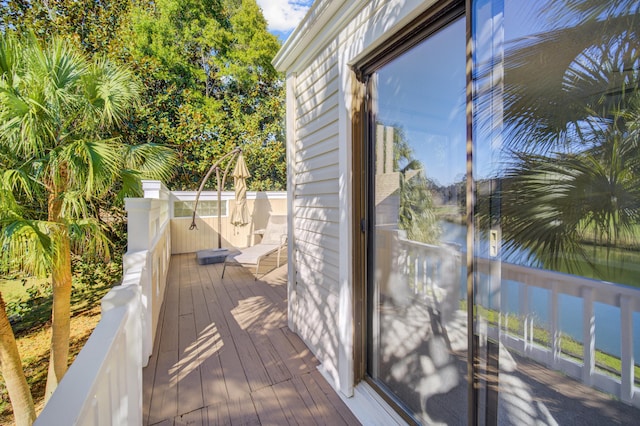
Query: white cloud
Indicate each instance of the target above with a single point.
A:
(284, 15)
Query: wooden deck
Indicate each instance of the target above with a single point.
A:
(224, 355)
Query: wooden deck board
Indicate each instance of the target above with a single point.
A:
(164, 397)
(268, 408)
(292, 404)
(224, 354)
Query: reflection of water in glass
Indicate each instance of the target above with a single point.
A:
(570, 307)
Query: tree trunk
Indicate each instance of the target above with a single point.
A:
(61, 311)
(13, 374)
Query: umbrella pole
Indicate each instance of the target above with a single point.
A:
(218, 178)
(235, 151)
(220, 186)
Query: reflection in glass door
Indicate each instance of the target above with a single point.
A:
(557, 177)
(417, 340)
(556, 217)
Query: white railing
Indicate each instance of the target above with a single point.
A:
(104, 383)
(431, 271)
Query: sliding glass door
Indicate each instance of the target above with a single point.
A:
(503, 239)
(417, 342)
(557, 206)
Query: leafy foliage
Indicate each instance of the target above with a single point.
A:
(417, 215)
(205, 67)
(209, 86)
(571, 114)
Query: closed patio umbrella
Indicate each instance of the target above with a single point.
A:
(240, 214)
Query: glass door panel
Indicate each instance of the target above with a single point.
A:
(557, 172)
(417, 343)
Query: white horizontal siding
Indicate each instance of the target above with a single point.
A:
(329, 117)
(320, 90)
(322, 154)
(319, 174)
(325, 135)
(315, 204)
(318, 188)
(328, 242)
(313, 99)
(317, 214)
(316, 110)
(308, 268)
(319, 308)
(318, 201)
(319, 68)
(321, 255)
(324, 226)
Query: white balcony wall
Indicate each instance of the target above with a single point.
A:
(104, 384)
(260, 206)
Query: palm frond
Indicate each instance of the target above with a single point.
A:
(131, 184)
(18, 180)
(112, 91)
(26, 245)
(150, 160)
(91, 165)
(9, 59)
(88, 236)
(74, 205)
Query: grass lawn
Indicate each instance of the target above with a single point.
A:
(13, 290)
(33, 335)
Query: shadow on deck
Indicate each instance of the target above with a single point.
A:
(224, 354)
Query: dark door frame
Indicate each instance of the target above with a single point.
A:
(432, 20)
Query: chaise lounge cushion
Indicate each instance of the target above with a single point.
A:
(274, 239)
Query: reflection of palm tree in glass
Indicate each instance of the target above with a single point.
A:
(571, 126)
(417, 214)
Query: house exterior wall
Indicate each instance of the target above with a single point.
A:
(326, 301)
(317, 59)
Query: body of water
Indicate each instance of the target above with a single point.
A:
(607, 317)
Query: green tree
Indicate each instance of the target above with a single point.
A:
(59, 155)
(205, 66)
(13, 374)
(93, 26)
(209, 86)
(417, 214)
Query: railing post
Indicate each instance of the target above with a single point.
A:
(626, 349)
(155, 189)
(589, 337)
(135, 268)
(554, 332)
(139, 233)
(523, 301)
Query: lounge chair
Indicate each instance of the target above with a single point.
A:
(274, 239)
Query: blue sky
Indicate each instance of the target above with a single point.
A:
(284, 15)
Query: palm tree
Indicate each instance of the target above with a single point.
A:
(58, 112)
(417, 211)
(12, 372)
(571, 117)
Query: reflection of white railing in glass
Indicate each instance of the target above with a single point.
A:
(434, 273)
